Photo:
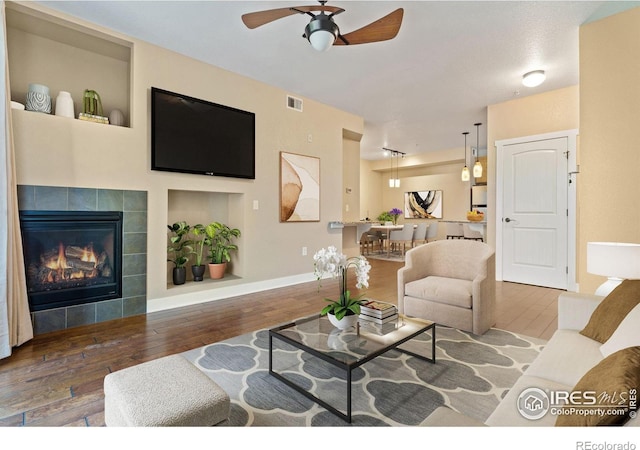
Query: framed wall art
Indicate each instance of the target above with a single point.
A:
(423, 205)
(299, 188)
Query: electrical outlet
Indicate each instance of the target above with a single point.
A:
(304, 251)
(256, 205)
(310, 137)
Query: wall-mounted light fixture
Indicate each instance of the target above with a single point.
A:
(534, 78)
(394, 182)
(465, 170)
(477, 167)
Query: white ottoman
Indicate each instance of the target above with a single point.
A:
(168, 391)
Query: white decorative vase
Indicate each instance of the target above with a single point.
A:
(345, 323)
(64, 105)
(116, 118)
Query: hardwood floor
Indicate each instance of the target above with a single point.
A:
(57, 378)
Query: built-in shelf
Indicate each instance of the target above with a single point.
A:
(65, 56)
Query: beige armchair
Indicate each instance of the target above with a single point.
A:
(451, 282)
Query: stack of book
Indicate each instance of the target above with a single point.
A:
(93, 118)
(378, 312)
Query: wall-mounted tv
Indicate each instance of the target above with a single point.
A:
(190, 135)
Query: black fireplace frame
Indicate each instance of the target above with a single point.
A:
(32, 220)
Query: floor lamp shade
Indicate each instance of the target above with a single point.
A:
(615, 260)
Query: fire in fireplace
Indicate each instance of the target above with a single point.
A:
(71, 258)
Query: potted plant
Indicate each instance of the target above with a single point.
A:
(343, 313)
(384, 217)
(178, 250)
(219, 238)
(199, 241)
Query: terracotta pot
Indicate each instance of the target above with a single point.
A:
(216, 271)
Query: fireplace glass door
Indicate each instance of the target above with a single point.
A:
(71, 258)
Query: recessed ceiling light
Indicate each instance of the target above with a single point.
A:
(533, 79)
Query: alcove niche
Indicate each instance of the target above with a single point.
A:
(202, 207)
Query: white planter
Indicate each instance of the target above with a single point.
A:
(344, 323)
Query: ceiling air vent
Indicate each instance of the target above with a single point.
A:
(294, 103)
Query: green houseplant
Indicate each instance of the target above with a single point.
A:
(219, 238)
(199, 241)
(385, 216)
(179, 250)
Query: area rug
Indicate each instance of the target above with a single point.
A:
(472, 373)
(394, 256)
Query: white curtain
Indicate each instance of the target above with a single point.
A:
(15, 321)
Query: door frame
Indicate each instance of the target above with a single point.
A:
(572, 172)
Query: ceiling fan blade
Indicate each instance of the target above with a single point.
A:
(380, 30)
(258, 18)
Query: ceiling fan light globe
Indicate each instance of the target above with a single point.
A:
(322, 40)
(321, 32)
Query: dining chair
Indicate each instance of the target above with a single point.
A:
(432, 232)
(419, 234)
(401, 237)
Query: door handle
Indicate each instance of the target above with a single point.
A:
(507, 220)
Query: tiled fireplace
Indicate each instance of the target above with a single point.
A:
(85, 254)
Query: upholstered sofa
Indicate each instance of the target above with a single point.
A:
(571, 362)
(451, 282)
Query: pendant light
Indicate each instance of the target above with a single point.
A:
(465, 170)
(396, 182)
(391, 179)
(477, 167)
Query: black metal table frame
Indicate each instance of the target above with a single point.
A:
(347, 367)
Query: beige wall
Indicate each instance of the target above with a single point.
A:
(609, 117)
(370, 190)
(56, 151)
(556, 110)
(351, 177)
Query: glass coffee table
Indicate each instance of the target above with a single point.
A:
(347, 349)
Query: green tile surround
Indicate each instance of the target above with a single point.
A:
(133, 205)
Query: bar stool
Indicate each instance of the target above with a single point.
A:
(454, 230)
(468, 233)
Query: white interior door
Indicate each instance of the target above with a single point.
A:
(535, 213)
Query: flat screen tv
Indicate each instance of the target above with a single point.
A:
(190, 135)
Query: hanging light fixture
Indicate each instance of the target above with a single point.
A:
(465, 170)
(391, 179)
(394, 181)
(477, 167)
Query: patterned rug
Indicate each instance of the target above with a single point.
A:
(393, 256)
(471, 375)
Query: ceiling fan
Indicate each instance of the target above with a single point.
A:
(322, 32)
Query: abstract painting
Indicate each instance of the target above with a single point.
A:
(299, 188)
(423, 205)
